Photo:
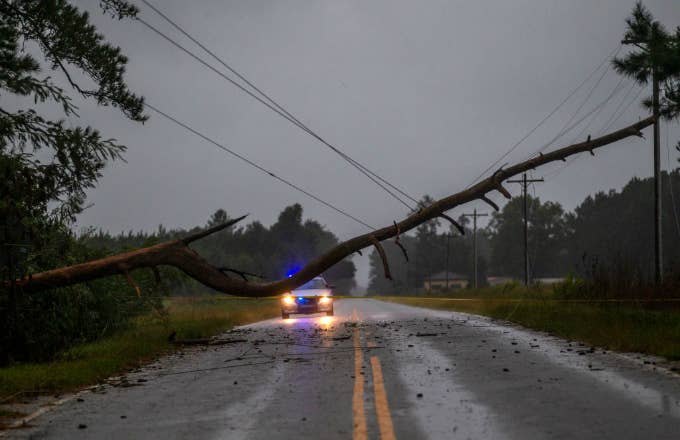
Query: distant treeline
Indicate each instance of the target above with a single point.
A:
(271, 253)
(610, 231)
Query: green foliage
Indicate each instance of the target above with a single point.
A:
(606, 243)
(37, 327)
(145, 338)
(626, 327)
(657, 51)
(548, 233)
(272, 252)
(615, 229)
(46, 167)
(74, 156)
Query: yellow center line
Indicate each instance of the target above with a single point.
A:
(382, 408)
(358, 413)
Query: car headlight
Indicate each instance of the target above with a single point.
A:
(324, 300)
(288, 300)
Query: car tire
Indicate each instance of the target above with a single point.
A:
(285, 315)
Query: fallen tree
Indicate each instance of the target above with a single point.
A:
(177, 253)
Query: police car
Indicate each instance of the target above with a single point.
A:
(312, 297)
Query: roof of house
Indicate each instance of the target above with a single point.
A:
(441, 276)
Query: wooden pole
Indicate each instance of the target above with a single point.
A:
(658, 225)
(524, 182)
(474, 215)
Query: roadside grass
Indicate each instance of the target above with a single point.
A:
(620, 326)
(143, 341)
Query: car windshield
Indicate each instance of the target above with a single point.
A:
(316, 283)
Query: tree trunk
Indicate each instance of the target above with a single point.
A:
(177, 253)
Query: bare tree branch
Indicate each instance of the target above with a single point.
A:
(455, 224)
(489, 202)
(398, 243)
(383, 256)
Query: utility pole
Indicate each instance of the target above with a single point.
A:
(446, 267)
(474, 216)
(525, 184)
(658, 249)
(649, 49)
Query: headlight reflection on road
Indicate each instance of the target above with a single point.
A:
(326, 322)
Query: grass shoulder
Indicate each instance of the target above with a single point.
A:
(625, 326)
(144, 340)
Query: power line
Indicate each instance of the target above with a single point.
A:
(624, 110)
(271, 104)
(565, 128)
(618, 107)
(595, 110)
(290, 116)
(572, 93)
(255, 165)
(619, 86)
(572, 160)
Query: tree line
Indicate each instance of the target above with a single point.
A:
(612, 230)
(253, 251)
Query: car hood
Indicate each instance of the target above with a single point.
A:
(311, 292)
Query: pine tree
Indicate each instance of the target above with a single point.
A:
(655, 49)
(46, 165)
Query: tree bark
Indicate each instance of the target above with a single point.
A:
(177, 253)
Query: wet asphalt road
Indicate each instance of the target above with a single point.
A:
(378, 370)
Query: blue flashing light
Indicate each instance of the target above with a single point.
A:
(292, 271)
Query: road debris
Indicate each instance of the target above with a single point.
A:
(207, 341)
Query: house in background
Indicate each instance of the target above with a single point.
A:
(439, 281)
(499, 280)
(549, 281)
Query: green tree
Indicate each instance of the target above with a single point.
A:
(548, 237)
(615, 226)
(46, 165)
(656, 53)
(273, 252)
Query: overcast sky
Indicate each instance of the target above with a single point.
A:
(425, 93)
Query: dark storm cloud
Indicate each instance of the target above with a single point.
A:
(426, 93)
